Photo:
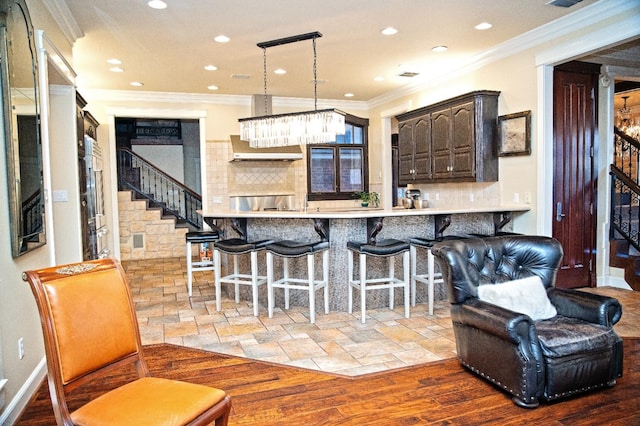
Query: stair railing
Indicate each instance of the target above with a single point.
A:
(625, 189)
(32, 214)
(150, 182)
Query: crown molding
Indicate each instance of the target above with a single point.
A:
(65, 20)
(212, 99)
(589, 15)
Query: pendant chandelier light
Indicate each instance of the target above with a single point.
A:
(298, 128)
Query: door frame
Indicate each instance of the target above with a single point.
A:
(545, 62)
(112, 177)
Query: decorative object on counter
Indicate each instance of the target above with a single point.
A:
(367, 198)
(515, 134)
(300, 128)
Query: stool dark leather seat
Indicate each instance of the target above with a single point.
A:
(236, 247)
(388, 248)
(294, 249)
(431, 277)
(204, 264)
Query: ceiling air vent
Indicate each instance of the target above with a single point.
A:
(408, 74)
(563, 3)
(241, 76)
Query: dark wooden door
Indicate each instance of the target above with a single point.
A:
(574, 191)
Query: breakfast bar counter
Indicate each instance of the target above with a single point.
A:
(357, 224)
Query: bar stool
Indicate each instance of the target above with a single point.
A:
(388, 249)
(431, 277)
(198, 237)
(292, 249)
(236, 247)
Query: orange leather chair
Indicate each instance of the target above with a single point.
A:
(90, 329)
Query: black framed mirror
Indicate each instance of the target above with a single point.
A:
(21, 119)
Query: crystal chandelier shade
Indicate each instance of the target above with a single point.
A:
(299, 128)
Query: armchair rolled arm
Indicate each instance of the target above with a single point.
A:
(590, 307)
(503, 323)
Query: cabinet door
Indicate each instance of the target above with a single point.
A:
(422, 149)
(441, 143)
(405, 152)
(463, 141)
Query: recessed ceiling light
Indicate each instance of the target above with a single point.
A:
(378, 78)
(389, 31)
(483, 26)
(212, 87)
(116, 69)
(222, 39)
(114, 61)
(348, 95)
(440, 49)
(280, 71)
(210, 68)
(157, 4)
(136, 84)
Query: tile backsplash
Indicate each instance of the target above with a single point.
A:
(227, 179)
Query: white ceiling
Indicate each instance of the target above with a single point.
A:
(168, 49)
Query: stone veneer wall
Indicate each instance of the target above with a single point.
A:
(160, 236)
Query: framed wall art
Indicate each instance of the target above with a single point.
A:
(514, 132)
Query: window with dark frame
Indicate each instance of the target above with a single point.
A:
(336, 170)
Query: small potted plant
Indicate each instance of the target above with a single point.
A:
(367, 198)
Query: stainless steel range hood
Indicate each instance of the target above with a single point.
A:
(243, 152)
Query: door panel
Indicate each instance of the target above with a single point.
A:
(574, 175)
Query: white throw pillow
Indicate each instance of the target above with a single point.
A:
(526, 296)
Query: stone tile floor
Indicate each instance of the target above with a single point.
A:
(337, 343)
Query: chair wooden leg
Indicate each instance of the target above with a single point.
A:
(270, 295)
(189, 270)
(312, 292)
(414, 267)
(254, 281)
(285, 269)
(325, 279)
(217, 277)
(407, 277)
(431, 278)
(363, 286)
(350, 281)
(392, 274)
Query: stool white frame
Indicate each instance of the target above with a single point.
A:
(237, 279)
(430, 278)
(309, 284)
(201, 265)
(390, 282)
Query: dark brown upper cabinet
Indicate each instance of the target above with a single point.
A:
(452, 141)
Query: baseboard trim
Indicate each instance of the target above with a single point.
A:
(10, 415)
(613, 281)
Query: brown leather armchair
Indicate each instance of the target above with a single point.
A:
(90, 329)
(570, 350)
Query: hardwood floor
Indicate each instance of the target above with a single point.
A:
(441, 392)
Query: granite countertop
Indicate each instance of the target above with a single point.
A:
(362, 212)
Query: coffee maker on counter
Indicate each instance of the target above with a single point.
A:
(413, 198)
